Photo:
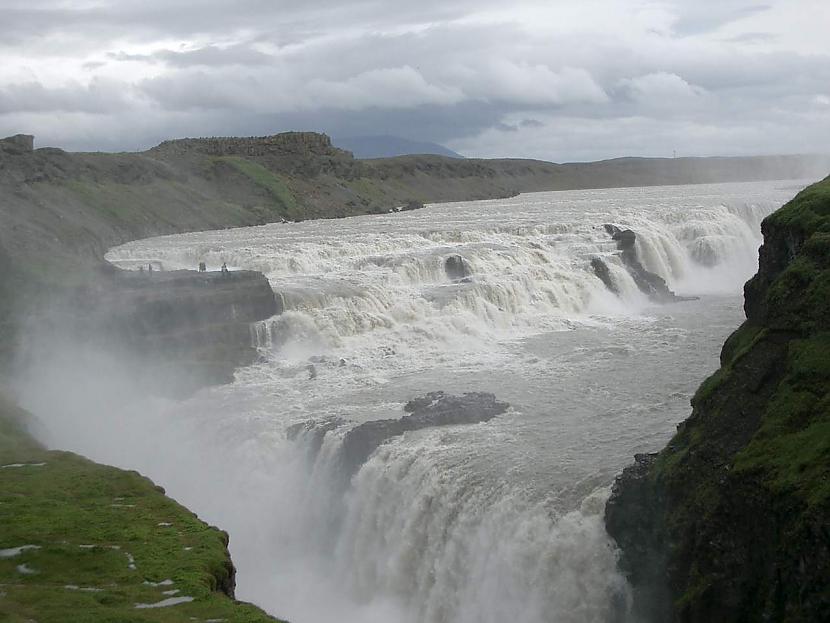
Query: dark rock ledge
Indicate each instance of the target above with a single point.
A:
(433, 409)
(649, 283)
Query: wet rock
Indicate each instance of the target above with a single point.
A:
(625, 238)
(649, 283)
(411, 205)
(601, 270)
(457, 268)
(433, 409)
(631, 517)
(181, 330)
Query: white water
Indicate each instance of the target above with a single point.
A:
(491, 522)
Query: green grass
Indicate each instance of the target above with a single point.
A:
(102, 539)
(284, 199)
(792, 448)
(809, 211)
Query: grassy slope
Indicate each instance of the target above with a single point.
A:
(743, 490)
(89, 522)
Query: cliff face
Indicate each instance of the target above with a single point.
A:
(730, 522)
(173, 331)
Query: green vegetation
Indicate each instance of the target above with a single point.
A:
(808, 212)
(284, 201)
(792, 447)
(104, 541)
(759, 438)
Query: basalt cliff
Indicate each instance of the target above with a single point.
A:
(731, 521)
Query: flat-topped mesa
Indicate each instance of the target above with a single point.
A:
(20, 143)
(304, 153)
(303, 142)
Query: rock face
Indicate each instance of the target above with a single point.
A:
(602, 271)
(201, 322)
(457, 268)
(21, 143)
(650, 284)
(730, 521)
(180, 329)
(308, 154)
(434, 409)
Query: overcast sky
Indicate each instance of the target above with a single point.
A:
(558, 80)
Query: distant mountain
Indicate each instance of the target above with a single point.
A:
(366, 147)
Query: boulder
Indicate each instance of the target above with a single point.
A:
(433, 409)
(457, 268)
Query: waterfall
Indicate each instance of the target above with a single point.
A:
(501, 520)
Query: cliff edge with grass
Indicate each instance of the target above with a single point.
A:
(731, 521)
(87, 542)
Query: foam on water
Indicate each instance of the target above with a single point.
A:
(490, 522)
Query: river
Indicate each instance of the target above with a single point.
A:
(479, 523)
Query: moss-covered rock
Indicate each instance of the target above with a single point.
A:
(730, 521)
(86, 542)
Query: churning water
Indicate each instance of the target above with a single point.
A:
(480, 523)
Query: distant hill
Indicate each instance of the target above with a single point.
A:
(368, 147)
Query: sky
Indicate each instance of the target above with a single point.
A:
(549, 79)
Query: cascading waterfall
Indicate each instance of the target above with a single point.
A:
(487, 522)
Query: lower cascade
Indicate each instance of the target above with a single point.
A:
(441, 402)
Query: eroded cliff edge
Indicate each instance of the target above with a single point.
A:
(731, 521)
(87, 542)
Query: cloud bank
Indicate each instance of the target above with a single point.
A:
(549, 79)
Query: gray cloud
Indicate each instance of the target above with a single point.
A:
(98, 97)
(702, 17)
(548, 78)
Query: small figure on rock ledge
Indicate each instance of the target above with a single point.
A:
(224, 267)
(202, 267)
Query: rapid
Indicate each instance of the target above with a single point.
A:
(501, 520)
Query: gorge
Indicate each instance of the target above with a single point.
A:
(475, 521)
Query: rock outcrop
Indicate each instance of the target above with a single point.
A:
(649, 283)
(19, 143)
(179, 330)
(730, 521)
(602, 271)
(434, 409)
(307, 154)
(457, 268)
